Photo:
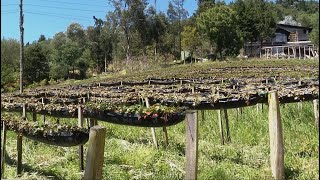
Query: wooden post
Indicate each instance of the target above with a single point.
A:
(267, 53)
(276, 137)
(19, 144)
(34, 116)
(165, 136)
(43, 116)
(227, 125)
(95, 153)
(153, 130)
(191, 145)
(309, 52)
(260, 52)
(299, 52)
(316, 112)
(304, 52)
(80, 124)
(313, 51)
(3, 149)
(19, 156)
(259, 107)
(221, 126)
(277, 53)
(288, 52)
(237, 113)
(300, 105)
(92, 122)
(21, 47)
(202, 116)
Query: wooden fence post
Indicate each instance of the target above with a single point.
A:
(19, 144)
(165, 136)
(34, 116)
(80, 124)
(276, 137)
(227, 125)
(153, 130)
(202, 116)
(221, 126)
(191, 145)
(259, 107)
(3, 149)
(316, 112)
(95, 153)
(43, 116)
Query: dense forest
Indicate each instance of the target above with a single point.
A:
(135, 36)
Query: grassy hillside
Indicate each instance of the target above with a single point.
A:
(130, 154)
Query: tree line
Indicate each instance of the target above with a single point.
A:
(135, 35)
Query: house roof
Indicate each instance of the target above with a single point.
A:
(292, 28)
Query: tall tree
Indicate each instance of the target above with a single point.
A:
(204, 5)
(182, 14)
(9, 63)
(123, 18)
(190, 39)
(76, 34)
(37, 65)
(218, 23)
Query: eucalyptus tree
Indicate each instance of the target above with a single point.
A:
(9, 63)
(219, 24)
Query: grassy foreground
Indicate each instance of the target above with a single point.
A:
(129, 151)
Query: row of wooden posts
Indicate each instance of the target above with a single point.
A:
(310, 50)
(95, 152)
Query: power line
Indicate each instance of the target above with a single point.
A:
(11, 10)
(7, 12)
(56, 16)
(59, 14)
(57, 7)
(9, 5)
(64, 2)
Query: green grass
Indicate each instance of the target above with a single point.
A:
(130, 154)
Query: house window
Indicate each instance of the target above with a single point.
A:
(305, 31)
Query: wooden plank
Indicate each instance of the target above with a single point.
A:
(80, 124)
(3, 149)
(276, 137)
(153, 130)
(227, 125)
(95, 153)
(191, 145)
(316, 112)
(221, 126)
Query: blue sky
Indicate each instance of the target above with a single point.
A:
(48, 17)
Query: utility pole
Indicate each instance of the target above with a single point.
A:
(155, 48)
(19, 136)
(21, 48)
